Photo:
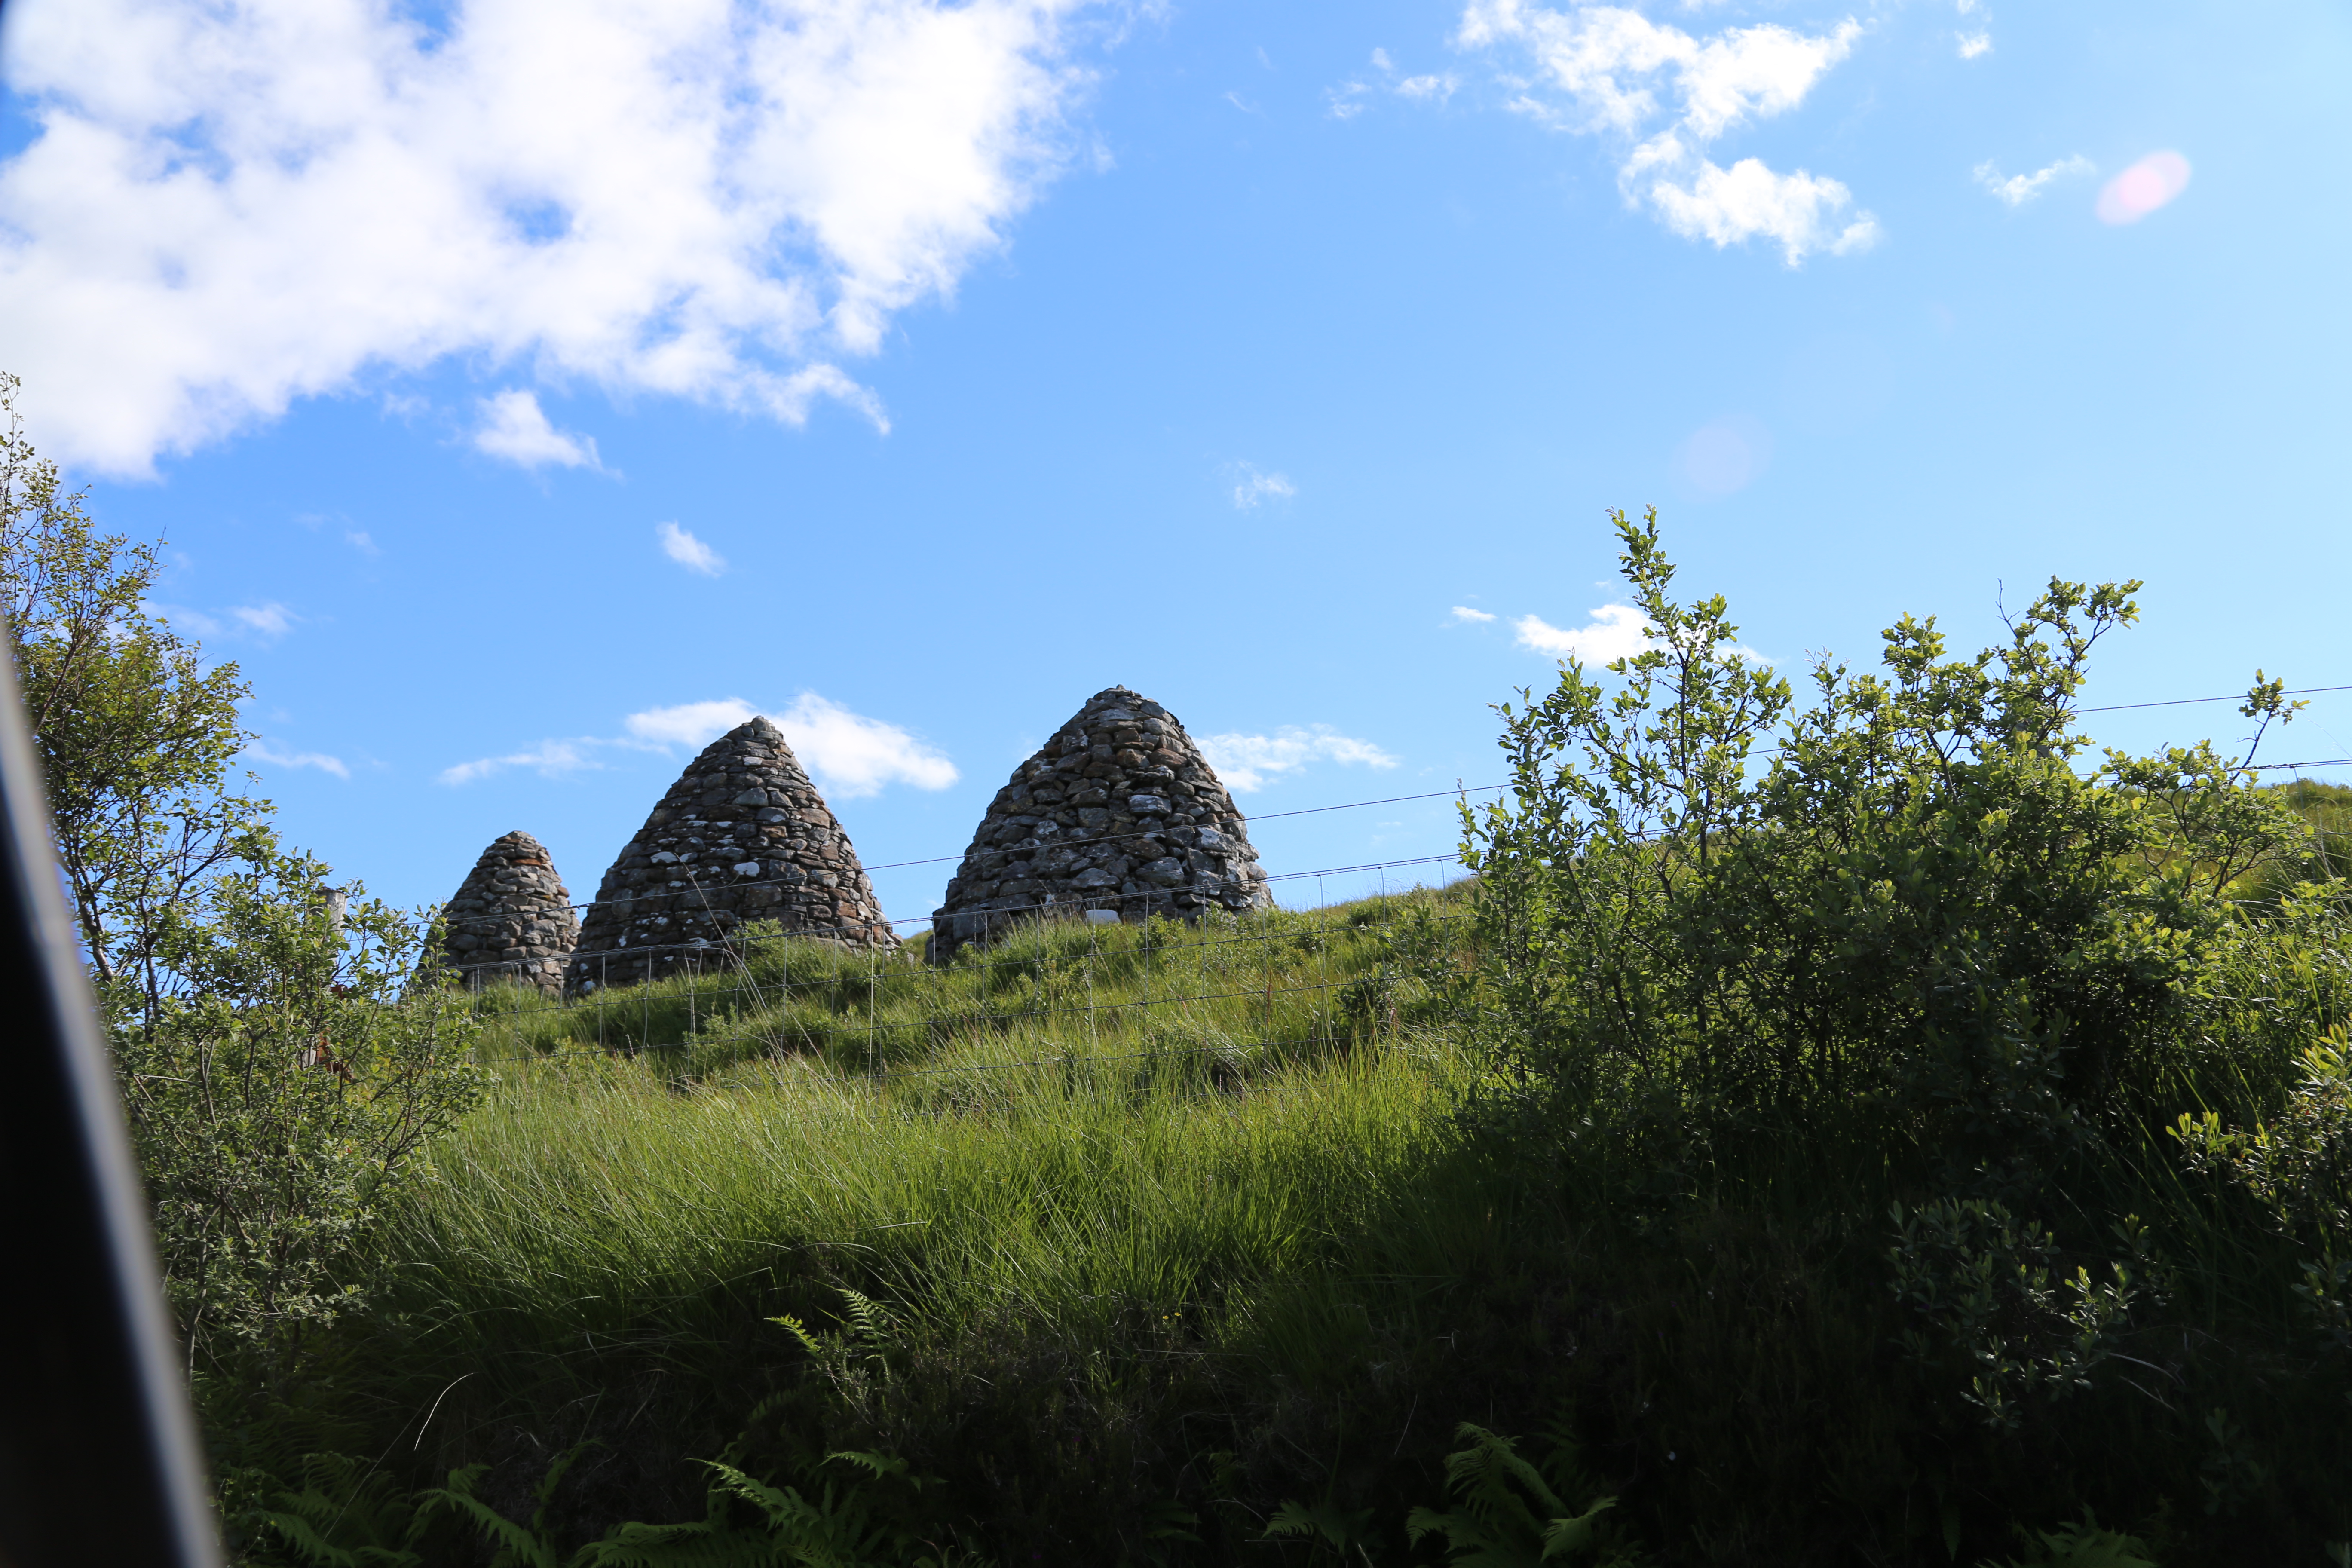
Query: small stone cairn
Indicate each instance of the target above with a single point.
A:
(1118, 811)
(743, 836)
(510, 921)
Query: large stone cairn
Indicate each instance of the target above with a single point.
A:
(743, 836)
(510, 919)
(1118, 811)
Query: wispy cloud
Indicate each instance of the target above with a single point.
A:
(2019, 189)
(1248, 762)
(1602, 69)
(1465, 612)
(266, 621)
(1974, 46)
(1255, 486)
(549, 759)
(358, 540)
(263, 752)
(687, 550)
(271, 619)
(849, 754)
(1351, 97)
(515, 428)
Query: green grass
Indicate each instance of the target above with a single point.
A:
(1144, 1272)
(1095, 1177)
(1271, 982)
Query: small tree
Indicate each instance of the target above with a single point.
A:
(283, 1082)
(135, 734)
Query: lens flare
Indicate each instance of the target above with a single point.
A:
(2144, 187)
(1722, 457)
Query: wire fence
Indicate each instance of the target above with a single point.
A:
(1237, 991)
(1096, 981)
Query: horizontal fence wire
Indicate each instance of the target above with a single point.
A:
(864, 929)
(1459, 792)
(963, 1004)
(1060, 843)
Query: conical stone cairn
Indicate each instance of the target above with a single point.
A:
(510, 921)
(1118, 811)
(742, 836)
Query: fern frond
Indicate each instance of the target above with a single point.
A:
(312, 1547)
(868, 1316)
(697, 1545)
(1565, 1537)
(519, 1546)
(799, 1330)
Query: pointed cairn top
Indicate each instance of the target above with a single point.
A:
(1118, 811)
(742, 836)
(510, 921)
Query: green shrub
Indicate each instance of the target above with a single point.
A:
(284, 1087)
(1900, 914)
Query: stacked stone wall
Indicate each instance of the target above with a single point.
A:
(741, 838)
(510, 919)
(1119, 811)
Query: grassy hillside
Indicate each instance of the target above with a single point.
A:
(1123, 1279)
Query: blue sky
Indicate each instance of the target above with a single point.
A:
(528, 389)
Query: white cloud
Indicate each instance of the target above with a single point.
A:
(1974, 46)
(1248, 761)
(1381, 61)
(549, 758)
(228, 207)
(1465, 612)
(271, 619)
(695, 725)
(1614, 632)
(515, 428)
(358, 540)
(848, 753)
(1611, 66)
(263, 752)
(1440, 88)
(1747, 200)
(2019, 189)
(852, 755)
(689, 552)
(1255, 486)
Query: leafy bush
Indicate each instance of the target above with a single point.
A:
(1900, 913)
(284, 1082)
